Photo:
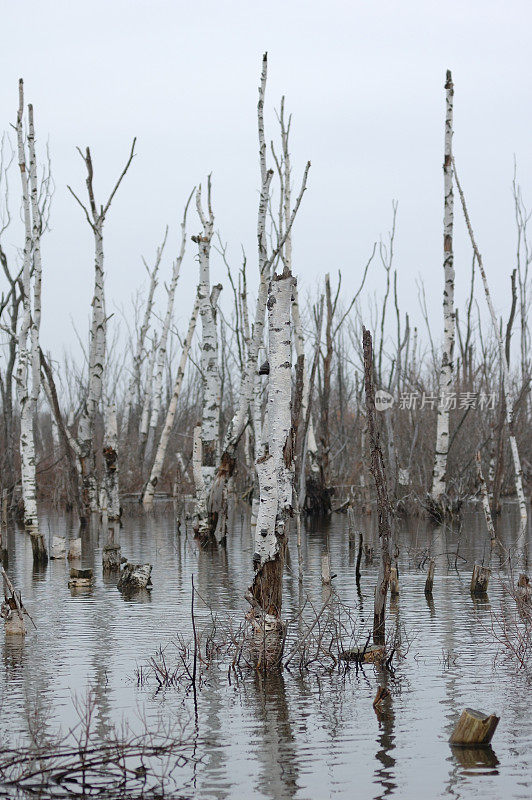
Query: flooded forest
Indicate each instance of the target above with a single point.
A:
(274, 545)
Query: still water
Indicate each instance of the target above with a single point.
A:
(303, 735)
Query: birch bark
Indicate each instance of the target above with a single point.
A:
(439, 475)
(275, 472)
(27, 381)
(110, 455)
(170, 414)
(211, 385)
(134, 387)
(163, 342)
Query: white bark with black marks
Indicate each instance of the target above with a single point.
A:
(439, 475)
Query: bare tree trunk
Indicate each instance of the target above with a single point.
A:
(210, 378)
(439, 475)
(276, 485)
(157, 468)
(157, 394)
(134, 387)
(110, 456)
(28, 378)
(383, 503)
(98, 333)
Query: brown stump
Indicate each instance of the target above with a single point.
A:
(429, 583)
(267, 640)
(80, 578)
(38, 545)
(474, 729)
(480, 580)
(111, 556)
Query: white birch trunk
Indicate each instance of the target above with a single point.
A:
(134, 386)
(170, 414)
(199, 483)
(211, 383)
(28, 335)
(275, 475)
(148, 388)
(439, 475)
(110, 454)
(163, 342)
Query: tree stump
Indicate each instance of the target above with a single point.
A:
(267, 640)
(80, 578)
(13, 619)
(429, 583)
(134, 577)
(111, 557)
(74, 549)
(325, 568)
(394, 582)
(58, 547)
(38, 545)
(523, 590)
(474, 729)
(480, 580)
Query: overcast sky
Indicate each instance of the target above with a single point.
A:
(364, 81)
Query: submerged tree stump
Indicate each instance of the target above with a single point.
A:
(394, 582)
(74, 549)
(80, 578)
(111, 556)
(58, 547)
(523, 590)
(12, 609)
(480, 580)
(371, 654)
(429, 583)
(38, 545)
(267, 639)
(135, 577)
(474, 729)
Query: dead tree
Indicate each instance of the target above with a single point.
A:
(95, 216)
(275, 471)
(383, 503)
(439, 475)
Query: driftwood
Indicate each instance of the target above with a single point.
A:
(474, 729)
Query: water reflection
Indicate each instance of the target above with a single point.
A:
(300, 735)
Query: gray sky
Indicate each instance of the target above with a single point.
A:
(364, 81)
